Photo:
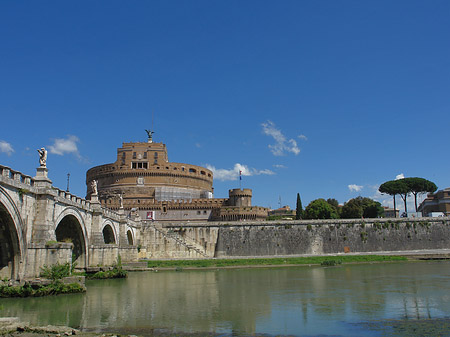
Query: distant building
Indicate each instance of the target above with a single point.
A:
(436, 203)
(143, 182)
(390, 212)
(284, 212)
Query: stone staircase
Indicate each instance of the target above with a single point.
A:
(184, 241)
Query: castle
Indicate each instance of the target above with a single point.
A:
(144, 183)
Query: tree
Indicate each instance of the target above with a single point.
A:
(335, 204)
(351, 210)
(419, 186)
(361, 207)
(320, 209)
(394, 187)
(298, 208)
(405, 186)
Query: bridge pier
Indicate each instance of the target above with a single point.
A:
(43, 226)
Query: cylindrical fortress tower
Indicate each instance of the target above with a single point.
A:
(240, 198)
(143, 171)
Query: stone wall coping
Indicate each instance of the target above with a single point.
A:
(332, 222)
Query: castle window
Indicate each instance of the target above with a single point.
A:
(203, 173)
(156, 154)
(156, 161)
(191, 170)
(139, 165)
(145, 155)
(164, 209)
(134, 155)
(182, 168)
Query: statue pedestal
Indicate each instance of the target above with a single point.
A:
(41, 179)
(94, 199)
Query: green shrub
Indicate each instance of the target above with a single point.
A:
(54, 288)
(116, 272)
(330, 262)
(57, 271)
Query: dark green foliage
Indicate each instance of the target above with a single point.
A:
(419, 186)
(405, 186)
(352, 210)
(329, 263)
(335, 204)
(54, 288)
(274, 217)
(320, 209)
(363, 237)
(298, 208)
(108, 274)
(57, 271)
(394, 187)
(361, 208)
(116, 272)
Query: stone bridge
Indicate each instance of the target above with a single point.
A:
(43, 225)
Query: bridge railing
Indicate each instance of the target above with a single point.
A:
(110, 214)
(9, 173)
(72, 197)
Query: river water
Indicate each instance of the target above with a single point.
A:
(350, 300)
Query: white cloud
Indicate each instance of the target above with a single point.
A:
(282, 145)
(355, 188)
(279, 166)
(399, 176)
(233, 174)
(6, 147)
(302, 137)
(62, 146)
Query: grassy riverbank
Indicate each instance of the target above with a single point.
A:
(26, 290)
(277, 261)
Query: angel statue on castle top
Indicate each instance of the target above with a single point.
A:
(150, 135)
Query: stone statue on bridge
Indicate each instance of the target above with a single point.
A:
(94, 187)
(42, 157)
(121, 200)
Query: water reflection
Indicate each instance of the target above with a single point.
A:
(297, 301)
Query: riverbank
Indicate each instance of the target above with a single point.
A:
(271, 262)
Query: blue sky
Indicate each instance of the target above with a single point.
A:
(325, 98)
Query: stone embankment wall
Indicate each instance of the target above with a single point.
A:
(272, 238)
(333, 236)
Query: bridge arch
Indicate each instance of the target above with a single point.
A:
(130, 237)
(109, 234)
(12, 244)
(70, 227)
